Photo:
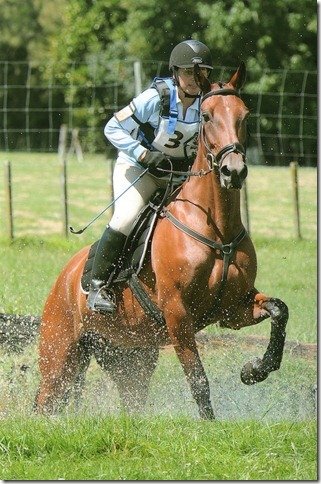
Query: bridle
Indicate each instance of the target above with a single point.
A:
(217, 160)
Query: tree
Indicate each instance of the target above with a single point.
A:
(273, 34)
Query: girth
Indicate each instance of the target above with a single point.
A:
(227, 250)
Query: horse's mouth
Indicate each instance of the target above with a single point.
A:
(232, 184)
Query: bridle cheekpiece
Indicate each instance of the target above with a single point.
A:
(217, 160)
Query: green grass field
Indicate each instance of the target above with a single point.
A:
(38, 207)
(263, 432)
(156, 449)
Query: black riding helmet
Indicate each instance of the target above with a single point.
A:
(189, 53)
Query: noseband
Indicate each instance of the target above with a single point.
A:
(217, 160)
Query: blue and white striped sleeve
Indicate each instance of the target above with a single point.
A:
(122, 125)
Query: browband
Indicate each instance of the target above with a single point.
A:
(223, 92)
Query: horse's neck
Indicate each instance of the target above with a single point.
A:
(219, 206)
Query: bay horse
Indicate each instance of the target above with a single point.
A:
(202, 270)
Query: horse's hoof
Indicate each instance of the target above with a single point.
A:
(252, 372)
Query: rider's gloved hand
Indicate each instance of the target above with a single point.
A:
(152, 160)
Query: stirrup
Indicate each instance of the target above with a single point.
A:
(101, 300)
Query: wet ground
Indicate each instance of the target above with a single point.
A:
(287, 394)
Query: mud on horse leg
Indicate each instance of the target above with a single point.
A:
(132, 376)
(197, 379)
(258, 369)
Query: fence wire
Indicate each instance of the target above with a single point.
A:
(36, 100)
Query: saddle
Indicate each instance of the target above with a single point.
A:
(136, 251)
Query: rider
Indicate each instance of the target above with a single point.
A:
(172, 136)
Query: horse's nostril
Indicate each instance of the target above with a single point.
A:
(225, 171)
(243, 173)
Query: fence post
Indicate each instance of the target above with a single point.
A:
(75, 145)
(63, 159)
(8, 197)
(138, 77)
(294, 174)
(245, 206)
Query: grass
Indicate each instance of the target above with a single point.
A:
(125, 448)
(38, 207)
(38, 193)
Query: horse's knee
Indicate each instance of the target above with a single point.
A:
(277, 309)
(270, 307)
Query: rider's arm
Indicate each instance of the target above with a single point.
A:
(121, 129)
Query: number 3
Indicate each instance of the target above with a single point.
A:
(175, 140)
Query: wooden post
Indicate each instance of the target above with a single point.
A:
(138, 77)
(8, 197)
(63, 159)
(75, 145)
(245, 207)
(294, 175)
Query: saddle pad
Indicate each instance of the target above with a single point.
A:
(86, 275)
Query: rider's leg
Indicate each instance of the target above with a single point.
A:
(107, 254)
(112, 241)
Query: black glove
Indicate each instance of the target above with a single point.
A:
(152, 160)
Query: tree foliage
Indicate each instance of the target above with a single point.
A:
(274, 34)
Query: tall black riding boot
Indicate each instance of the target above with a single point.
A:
(108, 251)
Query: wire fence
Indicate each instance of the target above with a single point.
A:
(275, 201)
(36, 100)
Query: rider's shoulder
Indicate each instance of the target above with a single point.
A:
(157, 88)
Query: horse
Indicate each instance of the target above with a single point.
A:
(202, 270)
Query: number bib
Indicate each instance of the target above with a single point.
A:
(181, 144)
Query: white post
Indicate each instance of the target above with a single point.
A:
(295, 185)
(63, 160)
(138, 77)
(8, 196)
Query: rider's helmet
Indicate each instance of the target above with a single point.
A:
(189, 53)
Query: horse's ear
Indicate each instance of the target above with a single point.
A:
(238, 78)
(202, 80)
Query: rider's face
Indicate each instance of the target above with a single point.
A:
(187, 81)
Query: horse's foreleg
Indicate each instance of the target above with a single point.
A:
(181, 331)
(258, 369)
(196, 377)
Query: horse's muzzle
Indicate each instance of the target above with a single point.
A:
(233, 177)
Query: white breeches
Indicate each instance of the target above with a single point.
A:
(127, 207)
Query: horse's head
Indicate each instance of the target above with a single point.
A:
(223, 128)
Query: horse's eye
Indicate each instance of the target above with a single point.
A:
(206, 117)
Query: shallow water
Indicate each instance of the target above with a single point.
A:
(287, 394)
